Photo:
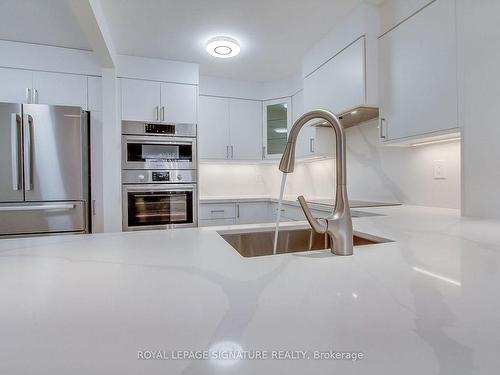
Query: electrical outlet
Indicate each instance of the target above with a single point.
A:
(439, 170)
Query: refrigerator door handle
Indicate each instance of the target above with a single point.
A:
(28, 152)
(15, 122)
(38, 207)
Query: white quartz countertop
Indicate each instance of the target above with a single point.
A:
(427, 303)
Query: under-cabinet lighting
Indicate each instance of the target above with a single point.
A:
(435, 142)
(437, 276)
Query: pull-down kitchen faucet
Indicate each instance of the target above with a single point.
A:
(338, 225)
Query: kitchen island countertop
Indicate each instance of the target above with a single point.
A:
(427, 303)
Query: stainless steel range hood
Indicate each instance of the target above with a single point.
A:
(354, 116)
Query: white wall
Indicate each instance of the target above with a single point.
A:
(480, 80)
(375, 172)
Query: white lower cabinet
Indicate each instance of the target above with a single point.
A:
(250, 213)
(214, 214)
(211, 214)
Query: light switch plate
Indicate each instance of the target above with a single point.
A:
(439, 170)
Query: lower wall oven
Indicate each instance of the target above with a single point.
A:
(159, 200)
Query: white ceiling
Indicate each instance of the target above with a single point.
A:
(49, 22)
(274, 34)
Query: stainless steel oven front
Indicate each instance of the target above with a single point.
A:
(159, 206)
(158, 152)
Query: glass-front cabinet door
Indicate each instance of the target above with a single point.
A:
(277, 123)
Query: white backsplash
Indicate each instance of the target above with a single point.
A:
(375, 172)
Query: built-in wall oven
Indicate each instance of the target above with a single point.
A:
(159, 175)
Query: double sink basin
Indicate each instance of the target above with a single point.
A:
(260, 243)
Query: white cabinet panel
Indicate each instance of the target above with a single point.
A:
(60, 89)
(94, 93)
(306, 141)
(418, 73)
(140, 100)
(14, 84)
(339, 84)
(213, 128)
(178, 102)
(245, 118)
(252, 213)
(96, 161)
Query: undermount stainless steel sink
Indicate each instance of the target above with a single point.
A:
(260, 243)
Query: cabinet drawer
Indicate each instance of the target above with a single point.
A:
(210, 211)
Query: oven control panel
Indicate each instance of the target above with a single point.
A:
(159, 129)
(160, 176)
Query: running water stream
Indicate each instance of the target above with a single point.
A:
(278, 214)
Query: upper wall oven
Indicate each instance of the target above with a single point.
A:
(158, 145)
(156, 152)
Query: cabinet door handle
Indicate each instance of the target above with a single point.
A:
(227, 152)
(237, 210)
(381, 129)
(217, 211)
(232, 152)
(35, 94)
(311, 144)
(162, 113)
(263, 152)
(156, 113)
(28, 95)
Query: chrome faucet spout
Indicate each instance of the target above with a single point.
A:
(339, 224)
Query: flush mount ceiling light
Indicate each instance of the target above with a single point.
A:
(223, 47)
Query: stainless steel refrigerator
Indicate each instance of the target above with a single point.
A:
(44, 169)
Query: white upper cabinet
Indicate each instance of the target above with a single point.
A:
(339, 84)
(213, 128)
(307, 137)
(277, 122)
(245, 118)
(14, 85)
(60, 89)
(140, 100)
(178, 103)
(418, 74)
(158, 101)
(229, 129)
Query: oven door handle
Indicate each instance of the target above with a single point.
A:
(170, 187)
(158, 140)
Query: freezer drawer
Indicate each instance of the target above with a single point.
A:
(48, 217)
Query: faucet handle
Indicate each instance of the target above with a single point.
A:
(316, 224)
